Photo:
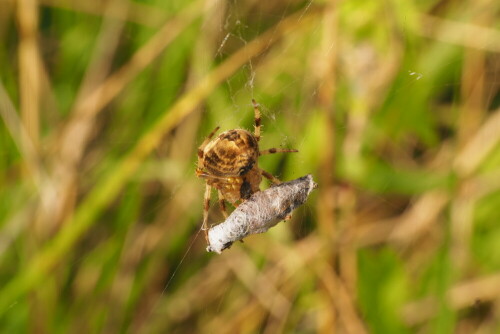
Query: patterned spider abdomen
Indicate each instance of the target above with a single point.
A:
(232, 153)
(230, 164)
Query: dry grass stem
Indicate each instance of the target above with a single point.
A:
(479, 146)
(460, 33)
(20, 135)
(418, 219)
(343, 301)
(261, 285)
(29, 68)
(463, 295)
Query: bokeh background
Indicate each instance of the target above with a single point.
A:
(394, 106)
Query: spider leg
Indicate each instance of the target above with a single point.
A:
(256, 110)
(270, 176)
(222, 204)
(204, 175)
(277, 150)
(206, 141)
(206, 207)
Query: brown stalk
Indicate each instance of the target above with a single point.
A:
(21, 137)
(462, 295)
(479, 146)
(459, 33)
(29, 67)
(348, 316)
(259, 284)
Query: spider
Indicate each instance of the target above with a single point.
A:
(229, 163)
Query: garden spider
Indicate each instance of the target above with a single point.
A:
(229, 163)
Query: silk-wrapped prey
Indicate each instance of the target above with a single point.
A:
(263, 210)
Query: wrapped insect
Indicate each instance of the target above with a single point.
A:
(260, 212)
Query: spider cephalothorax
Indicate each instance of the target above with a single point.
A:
(229, 163)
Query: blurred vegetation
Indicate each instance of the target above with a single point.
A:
(394, 106)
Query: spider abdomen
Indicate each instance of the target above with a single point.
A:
(232, 153)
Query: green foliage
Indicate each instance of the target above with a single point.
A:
(383, 289)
